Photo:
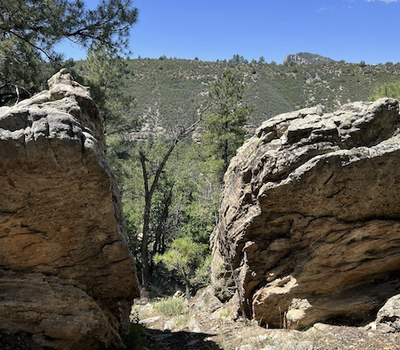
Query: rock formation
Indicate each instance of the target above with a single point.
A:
(388, 318)
(67, 278)
(305, 57)
(295, 58)
(310, 216)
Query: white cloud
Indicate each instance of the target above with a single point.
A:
(322, 9)
(387, 1)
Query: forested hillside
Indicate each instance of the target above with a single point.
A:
(170, 191)
(169, 90)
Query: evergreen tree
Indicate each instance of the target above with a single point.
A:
(224, 125)
(184, 256)
(166, 195)
(236, 59)
(30, 29)
(386, 90)
(103, 72)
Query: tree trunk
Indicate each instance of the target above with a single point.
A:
(146, 226)
(158, 246)
(145, 242)
(187, 282)
(148, 194)
(225, 153)
(187, 290)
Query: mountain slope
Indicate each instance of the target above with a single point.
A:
(168, 91)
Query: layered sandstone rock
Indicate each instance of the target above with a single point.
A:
(66, 275)
(310, 216)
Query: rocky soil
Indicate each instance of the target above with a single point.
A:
(208, 324)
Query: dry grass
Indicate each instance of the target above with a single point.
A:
(217, 331)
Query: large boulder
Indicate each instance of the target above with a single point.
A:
(310, 216)
(67, 278)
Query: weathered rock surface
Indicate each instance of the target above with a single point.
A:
(298, 58)
(66, 274)
(310, 216)
(389, 315)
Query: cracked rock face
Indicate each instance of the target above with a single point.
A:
(310, 216)
(66, 274)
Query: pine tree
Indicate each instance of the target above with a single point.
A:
(30, 29)
(103, 69)
(386, 90)
(184, 256)
(224, 126)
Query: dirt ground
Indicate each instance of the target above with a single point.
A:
(237, 335)
(205, 327)
(212, 326)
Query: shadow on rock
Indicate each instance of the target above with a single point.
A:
(166, 340)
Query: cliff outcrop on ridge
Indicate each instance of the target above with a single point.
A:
(67, 278)
(305, 58)
(310, 216)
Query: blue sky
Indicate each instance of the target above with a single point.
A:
(350, 30)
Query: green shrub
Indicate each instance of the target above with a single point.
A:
(135, 339)
(183, 256)
(170, 306)
(387, 90)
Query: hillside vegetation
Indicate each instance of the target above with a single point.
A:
(179, 186)
(168, 91)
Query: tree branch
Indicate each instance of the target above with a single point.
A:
(144, 170)
(31, 44)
